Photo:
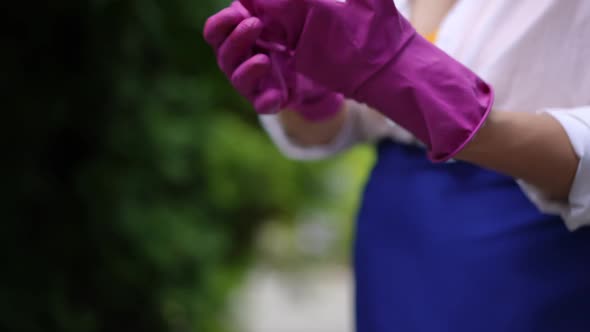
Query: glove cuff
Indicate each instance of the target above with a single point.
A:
(431, 95)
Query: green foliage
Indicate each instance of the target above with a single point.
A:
(135, 178)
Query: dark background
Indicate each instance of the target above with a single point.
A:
(133, 177)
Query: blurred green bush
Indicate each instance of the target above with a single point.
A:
(134, 176)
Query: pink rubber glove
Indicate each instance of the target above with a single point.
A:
(366, 50)
(235, 36)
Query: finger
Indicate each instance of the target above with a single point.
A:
(238, 46)
(269, 102)
(247, 77)
(219, 26)
(239, 7)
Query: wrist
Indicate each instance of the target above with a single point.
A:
(486, 138)
(306, 133)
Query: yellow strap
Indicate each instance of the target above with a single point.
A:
(431, 37)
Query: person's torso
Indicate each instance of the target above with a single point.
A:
(534, 52)
(453, 247)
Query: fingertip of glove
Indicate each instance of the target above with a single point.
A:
(218, 26)
(269, 102)
(250, 71)
(251, 25)
(261, 59)
(209, 31)
(240, 8)
(259, 62)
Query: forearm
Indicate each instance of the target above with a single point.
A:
(531, 147)
(307, 133)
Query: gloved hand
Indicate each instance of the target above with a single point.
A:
(235, 36)
(366, 50)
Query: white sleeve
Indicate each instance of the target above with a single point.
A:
(576, 213)
(362, 125)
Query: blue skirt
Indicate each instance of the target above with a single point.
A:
(453, 247)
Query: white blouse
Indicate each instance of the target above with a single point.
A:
(536, 53)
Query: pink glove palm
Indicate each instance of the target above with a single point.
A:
(235, 36)
(366, 50)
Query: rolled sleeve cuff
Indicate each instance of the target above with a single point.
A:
(362, 125)
(576, 213)
(290, 149)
